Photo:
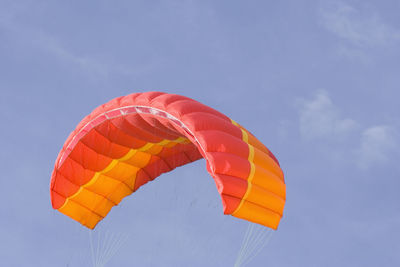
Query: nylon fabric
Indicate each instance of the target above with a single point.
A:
(131, 140)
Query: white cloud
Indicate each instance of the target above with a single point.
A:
(359, 27)
(320, 118)
(377, 143)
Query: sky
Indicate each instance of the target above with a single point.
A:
(316, 81)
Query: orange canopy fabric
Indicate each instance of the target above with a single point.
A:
(133, 139)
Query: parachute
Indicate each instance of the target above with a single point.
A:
(133, 139)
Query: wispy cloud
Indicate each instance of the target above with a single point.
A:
(37, 38)
(360, 27)
(320, 118)
(377, 144)
(50, 44)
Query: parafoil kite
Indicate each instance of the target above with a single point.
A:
(133, 139)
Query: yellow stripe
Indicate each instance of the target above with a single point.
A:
(146, 147)
(92, 180)
(235, 123)
(245, 138)
(128, 155)
(114, 162)
(245, 135)
(249, 184)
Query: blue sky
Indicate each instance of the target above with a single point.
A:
(316, 81)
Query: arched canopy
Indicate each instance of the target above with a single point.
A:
(133, 139)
